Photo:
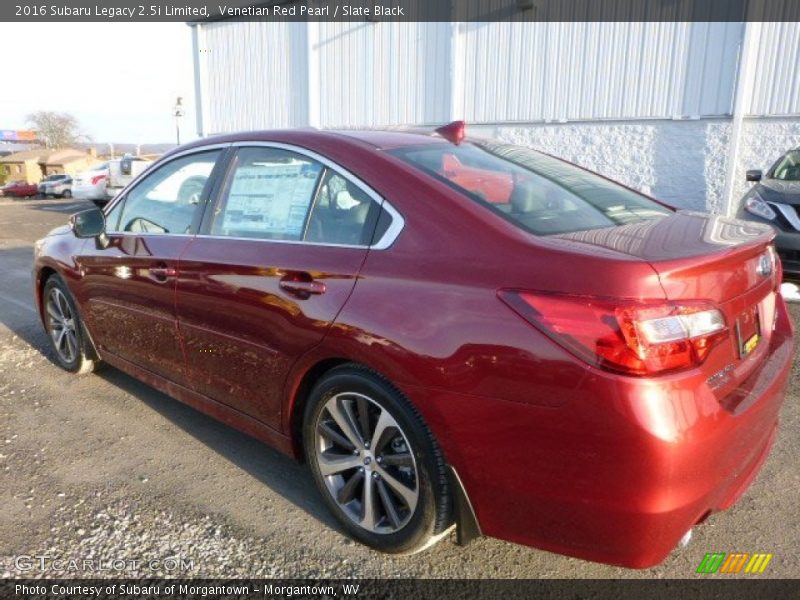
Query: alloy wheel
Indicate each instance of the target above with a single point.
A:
(62, 326)
(366, 462)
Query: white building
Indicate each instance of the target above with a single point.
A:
(676, 109)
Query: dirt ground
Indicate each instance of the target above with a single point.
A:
(105, 468)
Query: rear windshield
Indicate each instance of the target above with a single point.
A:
(538, 193)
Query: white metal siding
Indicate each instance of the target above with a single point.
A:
(280, 74)
(587, 71)
(254, 74)
(374, 74)
(777, 77)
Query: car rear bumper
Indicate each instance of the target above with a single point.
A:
(88, 192)
(621, 472)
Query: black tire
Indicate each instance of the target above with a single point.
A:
(66, 194)
(83, 359)
(431, 517)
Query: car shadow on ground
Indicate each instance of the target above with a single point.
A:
(67, 206)
(280, 473)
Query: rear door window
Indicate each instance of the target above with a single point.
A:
(280, 195)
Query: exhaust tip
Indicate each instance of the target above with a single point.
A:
(687, 537)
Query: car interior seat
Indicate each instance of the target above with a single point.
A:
(527, 197)
(347, 217)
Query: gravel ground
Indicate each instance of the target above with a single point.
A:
(102, 468)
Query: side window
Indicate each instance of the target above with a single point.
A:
(268, 195)
(167, 200)
(276, 194)
(342, 214)
(112, 217)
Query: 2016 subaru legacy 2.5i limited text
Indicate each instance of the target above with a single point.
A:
(449, 331)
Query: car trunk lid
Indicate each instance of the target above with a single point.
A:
(712, 258)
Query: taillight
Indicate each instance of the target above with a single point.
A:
(97, 178)
(626, 336)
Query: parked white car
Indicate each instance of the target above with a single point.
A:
(122, 171)
(91, 184)
(104, 181)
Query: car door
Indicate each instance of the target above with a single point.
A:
(270, 271)
(129, 280)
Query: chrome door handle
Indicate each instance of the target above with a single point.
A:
(162, 273)
(302, 288)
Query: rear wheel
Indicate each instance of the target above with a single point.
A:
(65, 329)
(375, 462)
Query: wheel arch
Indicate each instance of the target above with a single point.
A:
(461, 509)
(299, 397)
(42, 275)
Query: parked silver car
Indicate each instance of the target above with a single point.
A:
(56, 185)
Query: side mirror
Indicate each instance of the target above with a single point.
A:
(88, 223)
(753, 175)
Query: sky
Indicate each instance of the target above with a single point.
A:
(120, 80)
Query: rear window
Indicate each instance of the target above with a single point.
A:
(536, 192)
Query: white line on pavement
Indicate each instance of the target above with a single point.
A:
(16, 302)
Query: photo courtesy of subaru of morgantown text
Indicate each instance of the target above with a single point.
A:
(494, 295)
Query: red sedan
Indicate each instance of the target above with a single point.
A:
(571, 365)
(20, 189)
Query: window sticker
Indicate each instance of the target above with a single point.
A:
(268, 198)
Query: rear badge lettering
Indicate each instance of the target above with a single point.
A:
(720, 378)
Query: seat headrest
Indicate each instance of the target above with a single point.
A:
(343, 200)
(527, 197)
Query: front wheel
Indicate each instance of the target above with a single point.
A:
(375, 462)
(65, 329)
(66, 194)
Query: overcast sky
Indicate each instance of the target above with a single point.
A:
(119, 79)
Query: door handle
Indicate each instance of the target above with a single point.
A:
(162, 272)
(301, 285)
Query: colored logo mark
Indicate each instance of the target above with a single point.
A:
(736, 562)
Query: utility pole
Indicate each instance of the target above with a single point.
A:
(178, 112)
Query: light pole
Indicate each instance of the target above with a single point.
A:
(178, 112)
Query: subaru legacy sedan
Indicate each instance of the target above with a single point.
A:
(450, 332)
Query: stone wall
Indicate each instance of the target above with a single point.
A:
(682, 162)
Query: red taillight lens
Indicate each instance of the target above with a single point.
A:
(97, 178)
(629, 337)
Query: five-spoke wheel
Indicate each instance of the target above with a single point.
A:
(63, 325)
(375, 461)
(366, 462)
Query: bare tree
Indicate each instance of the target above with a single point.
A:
(55, 129)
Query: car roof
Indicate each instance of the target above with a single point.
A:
(372, 138)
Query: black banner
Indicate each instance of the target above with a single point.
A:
(399, 10)
(251, 589)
